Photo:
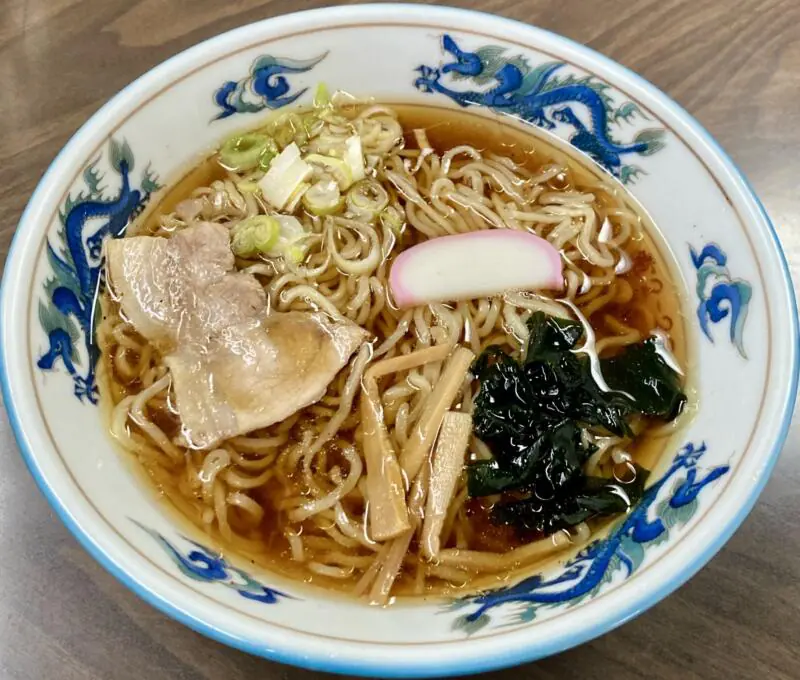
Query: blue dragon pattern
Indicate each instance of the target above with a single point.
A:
(199, 563)
(542, 96)
(719, 295)
(264, 87)
(66, 314)
(622, 551)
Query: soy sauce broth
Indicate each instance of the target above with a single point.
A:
(652, 300)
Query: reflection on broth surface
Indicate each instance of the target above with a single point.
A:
(391, 432)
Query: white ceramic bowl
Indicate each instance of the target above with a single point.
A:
(743, 330)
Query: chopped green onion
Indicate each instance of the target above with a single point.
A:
(247, 187)
(294, 127)
(366, 199)
(284, 135)
(335, 166)
(295, 254)
(314, 124)
(297, 194)
(322, 97)
(269, 155)
(285, 177)
(323, 198)
(392, 218)
(245, 152)
(255, 235)
(270, 236)
(354, 157)
(292, 239)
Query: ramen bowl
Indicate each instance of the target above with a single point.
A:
(741, 317)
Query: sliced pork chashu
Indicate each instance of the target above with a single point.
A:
(259, 375)
(234, 368)
(181, 289)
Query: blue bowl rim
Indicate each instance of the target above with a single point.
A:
(408, 667)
